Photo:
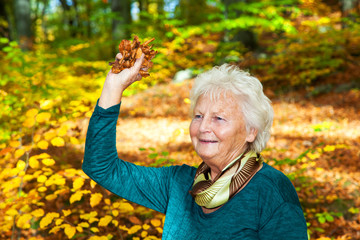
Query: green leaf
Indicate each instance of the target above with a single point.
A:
(4, 40)
(7, 49)
(152, 155)
(165, 154)
(13, 44)
(329, 218)
(354, 210)
(322, 219)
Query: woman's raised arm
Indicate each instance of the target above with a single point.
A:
(115, 84)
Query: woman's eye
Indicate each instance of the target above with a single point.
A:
(219, 118)
(197, 116)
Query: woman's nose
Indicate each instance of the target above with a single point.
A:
(205, 125)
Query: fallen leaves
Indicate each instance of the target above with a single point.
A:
(130, 51)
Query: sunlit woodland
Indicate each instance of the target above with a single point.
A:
(54, 59)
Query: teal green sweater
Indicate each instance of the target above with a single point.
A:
(267, 208)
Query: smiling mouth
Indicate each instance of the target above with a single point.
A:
(207, 141)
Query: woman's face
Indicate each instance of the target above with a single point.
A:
(218, 130)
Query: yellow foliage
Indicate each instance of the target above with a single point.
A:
(78, 183)
(43, 145)
(66, 212)
(23, 221)
(56, 179)
(31, 113)
(115, 213)
(14, 144)
(58, 142)
(87, 216)
(50, 134)
(38, 212)
(123, 227)
(43, 117)
(33, 162)
(98, 238)
(12, 212)
(48, 161)
(42, 189)
(329, 148)
(58, 221)
(144, 234)
(187, 100)
(95, 199)
(94, 229)
(55, 229)
(134, 229)
(107, 201)
(62, 131)
(92, 183)
(84, 224)
(69, 231)
(51, 197)
(21, 165)
(126, 207)
(29, 122)
(146, 226)
(79, 229)
(115, 222)
(49, 217)
(19, 153)
(313, 156)
(104, 221)
(42, 179)
(42, 156)
(76, 196)
(37, 137)
(46, 104)
(74, 140)
(155, 222)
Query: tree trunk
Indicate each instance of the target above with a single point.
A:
(23, 23)
(43, 21)
(68, 18)
(78, 22)
(122, 19)
(349, 9)
(143, 7)
(190, 11)
(4, 30)
(88, 14)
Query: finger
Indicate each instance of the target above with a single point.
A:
(118, 56)
(138, 63)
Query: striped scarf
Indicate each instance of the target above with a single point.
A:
(214, 193)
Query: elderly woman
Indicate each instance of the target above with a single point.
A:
(233, 194)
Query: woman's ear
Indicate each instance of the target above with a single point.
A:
(252, 135)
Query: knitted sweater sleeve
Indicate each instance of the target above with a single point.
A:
(143, 185)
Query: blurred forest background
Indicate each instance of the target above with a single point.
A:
(54, 59)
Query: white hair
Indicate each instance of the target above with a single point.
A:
(255, 106)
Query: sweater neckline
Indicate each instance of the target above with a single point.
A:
(222, 208)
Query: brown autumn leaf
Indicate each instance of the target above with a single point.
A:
(131, 51)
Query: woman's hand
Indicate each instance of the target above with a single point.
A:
(115, 84)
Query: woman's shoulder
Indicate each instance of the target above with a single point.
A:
(273, 181)
(273, 175)
(184, 171)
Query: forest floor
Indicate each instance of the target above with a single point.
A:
(315, 141)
